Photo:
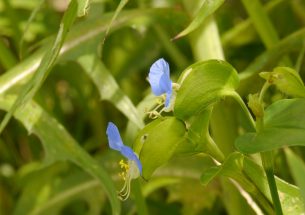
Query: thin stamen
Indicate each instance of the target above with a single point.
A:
(124, 195)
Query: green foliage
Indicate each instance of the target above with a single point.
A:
(203, 84)
(156, 148)
(283, 126)
(67, 68)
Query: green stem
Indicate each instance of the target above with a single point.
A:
(239, 100)
(139, 198)
(263, 92)
(267, 157)
(267, 161)
(300, 58)
(214, 151)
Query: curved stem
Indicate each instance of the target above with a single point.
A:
(267, 160)
(237, 98)
(214, 150)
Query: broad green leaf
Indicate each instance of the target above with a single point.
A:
(59, 145)
(207, 8)
(202, 84)
(297, 168)
(45, 66)
(283, 126)
(157, 142)
(108, 88)
(286, 80)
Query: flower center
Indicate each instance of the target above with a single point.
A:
(130, 171)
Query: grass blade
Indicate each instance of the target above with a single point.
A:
(208, 8)
(59, 145)
(45, 66)
(108, 88)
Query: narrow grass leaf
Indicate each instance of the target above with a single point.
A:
(78, 38)
(208, 8)
(59, 145)
(116, 13)
(108, 87)
(29, 90)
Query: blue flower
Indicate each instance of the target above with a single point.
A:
(159, 80)
(133, 169)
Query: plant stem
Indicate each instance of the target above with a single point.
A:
(267, 157)
(214, 150)
(239, 100)
(139, 198)
(267, 161)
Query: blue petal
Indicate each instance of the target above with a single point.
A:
(165, 83)
(159, 77)
(114, 138)
(128, 153)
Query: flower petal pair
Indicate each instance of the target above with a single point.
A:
(116, 143)
(159, 80)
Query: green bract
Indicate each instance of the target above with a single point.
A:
(203, 84)
(286, 80)
(157, 142)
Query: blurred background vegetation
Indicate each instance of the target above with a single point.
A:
(82, 102)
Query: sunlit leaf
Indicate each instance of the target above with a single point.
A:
(283, 126)
(108, 88)
(286, 80)
(202, 84)
(208, 8)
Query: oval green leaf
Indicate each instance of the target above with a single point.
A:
(283, 126)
